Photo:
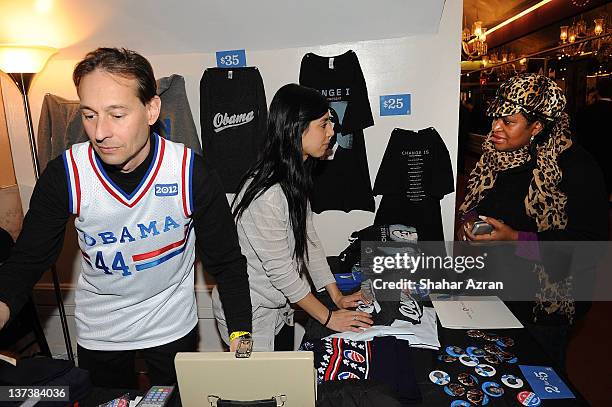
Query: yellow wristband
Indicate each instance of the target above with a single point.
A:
(238, 334)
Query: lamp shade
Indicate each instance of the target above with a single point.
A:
(24, 58)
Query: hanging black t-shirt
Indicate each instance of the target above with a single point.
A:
(342, 183)
(233, 114)
(415, 173)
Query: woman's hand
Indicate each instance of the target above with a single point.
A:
(345, 320)
(467, 225)
(350, 301)
(234, 345)
(501, 231)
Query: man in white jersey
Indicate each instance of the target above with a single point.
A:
(141, 204)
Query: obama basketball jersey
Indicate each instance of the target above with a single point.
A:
(135, 289)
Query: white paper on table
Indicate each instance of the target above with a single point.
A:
(472, 312)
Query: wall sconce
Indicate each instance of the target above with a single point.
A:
(571, 35)
(598, 26)
(483, 35)
(22, 63)
(563, 35)
(477, 28)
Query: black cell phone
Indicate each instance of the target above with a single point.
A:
(481, 228)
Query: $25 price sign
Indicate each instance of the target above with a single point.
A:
(395, 105)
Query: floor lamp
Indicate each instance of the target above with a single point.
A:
(22, 63)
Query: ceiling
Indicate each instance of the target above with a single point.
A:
(492, 12)
(157, 27)
(534, 32)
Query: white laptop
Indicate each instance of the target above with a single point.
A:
(286, 376)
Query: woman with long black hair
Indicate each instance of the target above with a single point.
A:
(275, 228)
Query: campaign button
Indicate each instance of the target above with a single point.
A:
(439, 377)
(505, 342)
(447, 358)
(454, 390)
(492, 349)
(493, 389)
(528, 398)
(477, 397)
(492, 359)
(467, 379)
(455, 351)
(485, 370)
(475, 333)
(512, 381)
(469, 361)
(476, 352)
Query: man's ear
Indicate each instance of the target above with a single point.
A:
(153, 109)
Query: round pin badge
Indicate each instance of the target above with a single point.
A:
(476, 352)
(485, 370)
(454, 390)
(477, 397)
(467, 379)
(493, 389)
(492, 349)
(528, 398)
(439, 377)
(491, 337)
(491, 359)
(469, 361)
(455, 351)
(505, 342)
(507, 357)
(460, 403)
(512, 381)
(475, 333)
(447, 358)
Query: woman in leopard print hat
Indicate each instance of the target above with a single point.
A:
(525, 107)
(533, 184)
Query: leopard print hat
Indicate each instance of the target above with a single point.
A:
(541, 96)
(528, 93)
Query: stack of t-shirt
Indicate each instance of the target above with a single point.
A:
(342, 183)
(233, 115)
(423, 335)
(383, 360)
(414, 175)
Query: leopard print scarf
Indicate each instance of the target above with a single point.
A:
(544, 201)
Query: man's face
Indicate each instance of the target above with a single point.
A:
(115, 120)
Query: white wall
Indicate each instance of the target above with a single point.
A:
(427, 66)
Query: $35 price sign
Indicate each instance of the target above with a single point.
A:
(394, 105)
(231, 59)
